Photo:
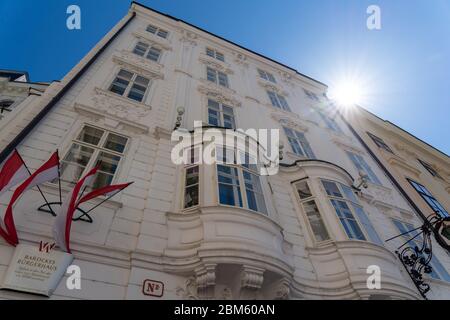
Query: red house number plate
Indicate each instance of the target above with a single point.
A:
(153, 288)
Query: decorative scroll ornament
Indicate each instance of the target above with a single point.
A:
(415, 259)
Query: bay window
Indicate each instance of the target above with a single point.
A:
(350, 212)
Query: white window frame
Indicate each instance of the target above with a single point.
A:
(278, 101)
(130, 85)
(242, 185)
(157, 32)
(221, 113)
(146, 52)
(217, 75)
(266, 76)
(97, 150)
(306, 154)
(302, 203)
(215, 54)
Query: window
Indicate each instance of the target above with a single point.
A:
(93, 146)
(380, 143)
(438, 270)
(347, 207)
(158, 31)
(311, 95)
(220, 115)
(144, 50)
(362, 166)
(266, 76)
(239, 185)
(191, 188)
(130, 85)
(329, 122)
(5, 105)
(429, 198)
(298, 142)
(215, 54)
(217, 77)
(312, 211)
(430, 169)
(278, 101)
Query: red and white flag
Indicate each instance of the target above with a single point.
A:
(47, 172)
(63, 221)
(104, 191)
(13, 171)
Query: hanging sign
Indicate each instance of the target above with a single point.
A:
(36, 270)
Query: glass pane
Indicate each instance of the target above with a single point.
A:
(107, 162)
(119, 86)
(192, 188)
(331, 189)
(364, 219)
(213, 117)
(210, 52)
(303, 190)
(229, 189)
(223, 79)
(220, 56)
(115, 142)
(163, 33)
(75, 161)
(101, 180)
(151, 29)
(153, 54)
(137, 92)
(125, 74)
(271, 77)
(262, 74)
(296, 148)
(90, 135)
(211, 75)
(140, 49)
(349, 194)
(255, 198)
(315, 221)
(284, 104)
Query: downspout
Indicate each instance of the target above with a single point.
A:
(35, 121)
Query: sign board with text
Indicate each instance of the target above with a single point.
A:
(35, 271)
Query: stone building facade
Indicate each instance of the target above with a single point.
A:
(209, 231)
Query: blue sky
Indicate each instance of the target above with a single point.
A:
(405, 65)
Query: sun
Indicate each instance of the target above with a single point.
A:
(347, 93)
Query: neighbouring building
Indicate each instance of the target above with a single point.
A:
(221, 231)
(16, 94)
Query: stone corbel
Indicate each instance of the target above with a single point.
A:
(282, 289)
(206, 280)
(252, 279)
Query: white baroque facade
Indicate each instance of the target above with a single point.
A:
(210, 232)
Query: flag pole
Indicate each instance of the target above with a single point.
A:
(98, 204)
(59, 178)
(42, 194)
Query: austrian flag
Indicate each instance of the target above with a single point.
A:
(47, 172)
(12, 172)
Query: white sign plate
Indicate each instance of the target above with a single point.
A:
(34, 271)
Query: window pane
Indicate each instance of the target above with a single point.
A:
(74, 163)
(305, 144)
(211, 75)
(349, 194)
(364, 219)
(192, 187)
(163, 33)
(255, 197)
(283, 102)
(125, 74)
(262, 74)
(115, 142)
(223, 79)
(273, 99)
(229, 188)
(220, 56)
(331, 189)
(137, 92)
(119, 86)
(213, 118)
(101, 180)
(271, 77)
(90, 135)
(303, 190)
(315, 221)
(151, 29)
(153, 54)
(210, 52)
(296, 148)
(347, 220)
(107, 162)
(140, 48)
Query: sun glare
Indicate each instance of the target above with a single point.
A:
(347, 93)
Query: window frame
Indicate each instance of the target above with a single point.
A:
(372, 177)
(306, 154)
(221, 113)
(215, 54)
(130, 85)
(266, 75)
(147, 50)
(380, 142)
(430, 169)
(278, 101)
(242, 182)
(426, 195)
(330, 122)
(301, 203)
(351, 204)
(217, 75)
(98, 149)
(157, 31)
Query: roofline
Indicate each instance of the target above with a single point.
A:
(229, 41)
(403, 130)
(27, 75)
